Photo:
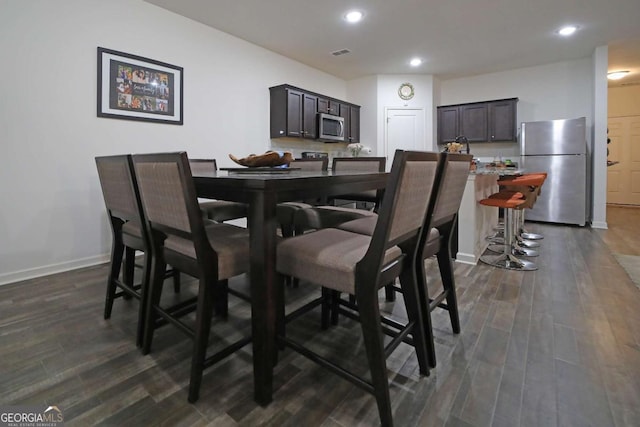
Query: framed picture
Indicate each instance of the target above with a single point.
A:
(131, 87)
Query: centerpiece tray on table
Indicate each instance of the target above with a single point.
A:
(267, 163)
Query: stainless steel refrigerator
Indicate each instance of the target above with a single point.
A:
(558, 147)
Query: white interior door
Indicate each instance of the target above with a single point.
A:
(404, 131)
(623, 178)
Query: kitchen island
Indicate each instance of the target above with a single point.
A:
(475, 221)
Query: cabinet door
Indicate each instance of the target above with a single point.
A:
(502, 120)
(447, 124)
(309, 120)
(354, 125)
(345, 112)
(323, 105)
(328, 106)
(294, 113)
(473, 122)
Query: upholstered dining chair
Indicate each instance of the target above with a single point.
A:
(286, 211)
(361, 164)
(436, 240)
(217, 210)
(444, 215)
(122, 200)
(179, 237)
(325, 216)
(358, 264)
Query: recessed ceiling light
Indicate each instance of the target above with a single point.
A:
(616, 75)
(568, 30)
(353, 16)
(415, 62)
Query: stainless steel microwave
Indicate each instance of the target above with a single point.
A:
(330, 127)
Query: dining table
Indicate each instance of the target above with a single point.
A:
(262, 190)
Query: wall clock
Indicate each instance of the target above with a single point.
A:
(406, 91)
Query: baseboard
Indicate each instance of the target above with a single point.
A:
(600, 225)
(464, 258)
(32, 273)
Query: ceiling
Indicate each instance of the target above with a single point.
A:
(455, 38)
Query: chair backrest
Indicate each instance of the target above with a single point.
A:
(359, 164)
(453, 180)
(119, 188)
(318, 164)
(362, 164)
(445, 203)
(202, 166)
(169, 198)
(404, 207)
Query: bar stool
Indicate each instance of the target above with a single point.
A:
(517, 244)
(529, 184)
(509, 201)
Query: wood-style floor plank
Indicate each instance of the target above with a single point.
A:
(556, 347)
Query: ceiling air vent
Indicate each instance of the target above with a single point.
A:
(340, 52)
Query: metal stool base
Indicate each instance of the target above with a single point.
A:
(516, 250)
(531, 236)
(526, 243)
(508, 262)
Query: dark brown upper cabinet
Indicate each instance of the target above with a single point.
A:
(473, 122)
(294, 113)
(502, 120)
(488, 121)
(351, 115)
(328, 106)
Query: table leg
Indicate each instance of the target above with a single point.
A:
(262, 228)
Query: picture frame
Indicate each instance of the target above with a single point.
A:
(132, 87)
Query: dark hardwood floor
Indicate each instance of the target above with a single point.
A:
(555, 347)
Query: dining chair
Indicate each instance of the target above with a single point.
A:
(124, 210)
(441, 223)
(358, 264)
(325, 216)
(217, 210)
(285, 211)
(361, 164)
(179, 237)
(437, 241)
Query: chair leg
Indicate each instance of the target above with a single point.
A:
(335, 306)
(129, 269)
(390, 293)
(220, 297)
(373, 341)
(158, 268)
(144, 293)
(176, 280)
(412, 304)
(326, 308)
(449, 283)
(117, 251)
(203, 326)
(423, 300)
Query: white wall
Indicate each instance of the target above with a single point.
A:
(388, 98)
(561, 90)
(599, 63)
(52, 216)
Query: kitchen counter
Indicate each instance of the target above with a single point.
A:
(475, 221)
(487, 170)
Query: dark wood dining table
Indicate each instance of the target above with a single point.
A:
(262, 192)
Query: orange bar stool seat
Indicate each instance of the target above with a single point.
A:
(509, 201)
(531, 185)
